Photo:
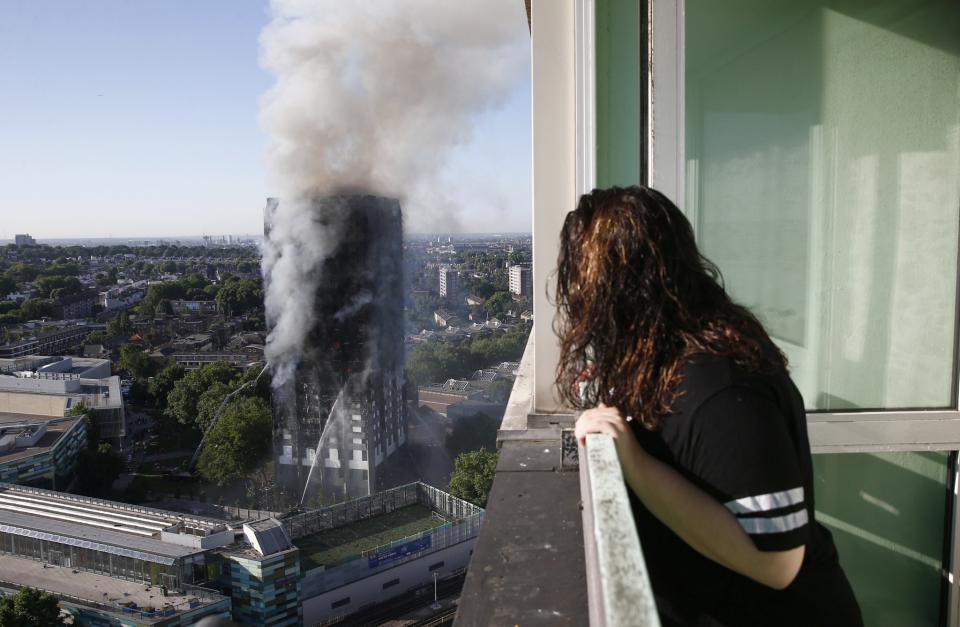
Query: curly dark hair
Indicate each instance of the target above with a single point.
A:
(636, 300)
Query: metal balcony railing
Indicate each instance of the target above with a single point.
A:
(559, 545)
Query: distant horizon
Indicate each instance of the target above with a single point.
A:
(245, 236)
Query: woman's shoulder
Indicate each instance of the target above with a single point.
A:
(704, 376)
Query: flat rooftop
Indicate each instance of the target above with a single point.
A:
(337, 545)
(56, 428)
(108, 526)
(97, 589)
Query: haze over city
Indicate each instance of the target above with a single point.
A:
(144, 122)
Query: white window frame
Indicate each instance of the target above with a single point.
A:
(855, 431)
(829, 432)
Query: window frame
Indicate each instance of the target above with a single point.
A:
(865, 431)
(830, 431)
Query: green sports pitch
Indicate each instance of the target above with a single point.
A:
(334, 546)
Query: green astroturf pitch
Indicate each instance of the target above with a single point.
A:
(333, 546)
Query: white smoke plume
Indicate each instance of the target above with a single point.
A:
(292, 254)
(370, 96)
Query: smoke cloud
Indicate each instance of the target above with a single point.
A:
(293, 251)
(370, 96)
(373, 95)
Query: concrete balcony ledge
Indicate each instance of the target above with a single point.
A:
(558, 545)
(528, 564)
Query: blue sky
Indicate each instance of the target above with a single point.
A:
(122, 118)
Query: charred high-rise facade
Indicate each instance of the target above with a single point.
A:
(341, 413)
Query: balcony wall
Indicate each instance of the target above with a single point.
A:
(553, 548)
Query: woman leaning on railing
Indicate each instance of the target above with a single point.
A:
(709, 429)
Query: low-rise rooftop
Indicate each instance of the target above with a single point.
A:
(99, 591)
(16, 426)
(334, 546)
(114, 528)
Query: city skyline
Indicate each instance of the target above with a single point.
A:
(138, 123)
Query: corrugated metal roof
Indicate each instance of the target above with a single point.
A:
(105, 540)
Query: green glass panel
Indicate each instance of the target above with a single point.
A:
(823, 177)
(618, 92)
(887, 513)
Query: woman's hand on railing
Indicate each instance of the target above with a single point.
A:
(610, 420)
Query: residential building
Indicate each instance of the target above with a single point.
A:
(122, 297)
(24, 240)
(49, 338)
(194, 307)
(449, 282)
(194, 360)
(341, 414)
(760, 122)
(521, 280)
(196, 342)
(444, 318)
(75, 306)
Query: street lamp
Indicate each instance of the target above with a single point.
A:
(436, 604)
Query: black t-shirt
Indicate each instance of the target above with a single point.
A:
(742, 438)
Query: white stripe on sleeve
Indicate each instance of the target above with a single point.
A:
(765, 502)
(780, 524)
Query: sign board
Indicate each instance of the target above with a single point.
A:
(398, 552)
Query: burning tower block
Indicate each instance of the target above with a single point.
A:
(342, 413)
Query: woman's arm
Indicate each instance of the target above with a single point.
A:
(691, 513)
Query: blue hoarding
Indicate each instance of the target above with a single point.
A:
(399, 551)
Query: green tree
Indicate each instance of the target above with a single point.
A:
(239, 296)
(182, 399)
(262, 388)
(7, 285)
(120, 325)
(62, 285)
(473, 476)
(170, 290)
(97, 466)
(134, 360)
(36, 308)
(481, 287)
(106, 279)
(209, 402)
(435, 362)
(30, 608)
(237, 442)
(162, 383)
(22, 272)
(61, 267)
(164, 308)
(90, 423)
(95, 337)
(497, 304)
